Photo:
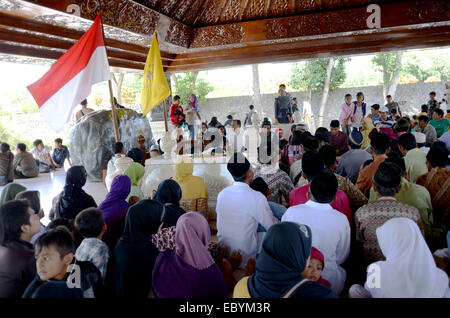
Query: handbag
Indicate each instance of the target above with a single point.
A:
(296, 287)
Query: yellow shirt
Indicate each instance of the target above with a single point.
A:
(241, 289)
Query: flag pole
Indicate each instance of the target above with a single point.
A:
(164, 102)
(111, 95)
(165, 115)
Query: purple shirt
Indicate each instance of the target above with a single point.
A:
(339, 141)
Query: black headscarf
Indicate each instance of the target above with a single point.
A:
(286, 248)
(73, 199)
(135, 254)
(169, 194)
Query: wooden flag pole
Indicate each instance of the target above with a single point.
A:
(165, 115)
(113, 106)
(114, 115)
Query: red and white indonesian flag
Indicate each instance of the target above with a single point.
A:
(70, 78)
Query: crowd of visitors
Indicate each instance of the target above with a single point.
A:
(305, 221)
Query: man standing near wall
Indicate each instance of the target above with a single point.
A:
(282, 106)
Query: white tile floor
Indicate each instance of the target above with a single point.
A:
(51, 184)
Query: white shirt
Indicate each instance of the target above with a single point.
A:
(239, 210)
(236, 140)
(111, 168)
(42, 156)
(330, 235)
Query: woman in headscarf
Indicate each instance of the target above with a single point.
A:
(135, 255)
(168, 194)
(409, 270)
(195, 194)
(189, 271)
(367, 125)
(72, 200)
(115, 208)
(136, 172)
(10, 191)
(285, 253)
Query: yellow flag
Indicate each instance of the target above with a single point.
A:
(154, 86)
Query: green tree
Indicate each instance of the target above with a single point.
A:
(189, 83)
(390, 64)
(424, 64)
(319, 75)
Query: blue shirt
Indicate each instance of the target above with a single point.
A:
(60, 154)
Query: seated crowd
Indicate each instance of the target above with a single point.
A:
(306, 221)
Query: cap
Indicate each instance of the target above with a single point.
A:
(420, 137)
(355, 138)
(154, 147)
(384, 109)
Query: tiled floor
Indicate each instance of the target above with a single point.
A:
(51, 184)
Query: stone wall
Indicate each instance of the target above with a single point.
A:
(413, 95)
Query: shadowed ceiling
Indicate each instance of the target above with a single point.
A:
(202, 34)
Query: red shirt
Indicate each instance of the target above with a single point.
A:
(341, 203)
(174, 118)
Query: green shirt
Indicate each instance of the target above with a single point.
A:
(441, 127)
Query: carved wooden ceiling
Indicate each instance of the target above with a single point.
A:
(202, 34)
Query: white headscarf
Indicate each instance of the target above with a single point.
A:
(409, 270)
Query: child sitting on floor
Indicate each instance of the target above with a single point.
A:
(56, 277)
(90, 224)
(313, 270)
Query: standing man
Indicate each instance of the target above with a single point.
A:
(392, 105)
(84, 110)
(283, 106)
(432, 104)
(252, 114)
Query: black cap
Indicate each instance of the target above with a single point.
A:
(238, 165)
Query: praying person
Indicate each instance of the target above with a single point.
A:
(189, 271)
(425, 127)
(115, 208)
(135, 171)
(312, 165)
(91, 225)
(279, 183)
(41, 154)
(355, 197)
(155, 152)
(409, 270)
(169, 194)
(338, 139)
(10, 191)
(412, 194)
(415, 160)
(119, 152)
(54, 256)
(18, 224)
(258, 184)
(60, 154)
(194, 193)
(330, 229)
(387, 183)
(367, 128)
(437, 182)
(73, 199)
(279, 269)
(350, 162)
(135, 254)
(379, 146)
(24, 164)
(240, 209)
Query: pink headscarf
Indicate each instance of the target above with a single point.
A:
(194, 104)
(191, 240)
